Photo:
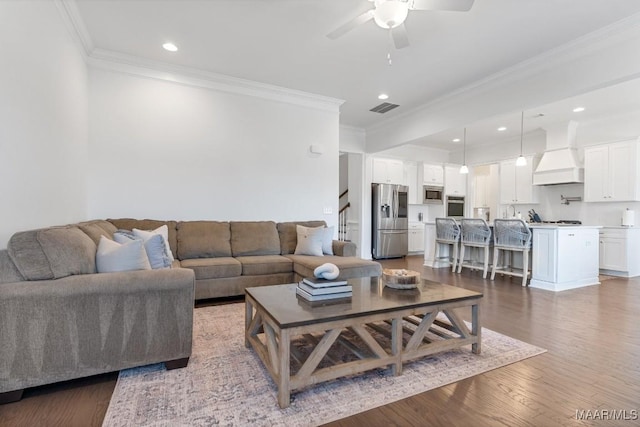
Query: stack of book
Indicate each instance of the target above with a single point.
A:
(313, 289)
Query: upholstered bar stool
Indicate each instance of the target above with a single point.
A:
(509, 236)
(447, 234)
(475, 234)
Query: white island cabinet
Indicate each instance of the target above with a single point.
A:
(564, 256)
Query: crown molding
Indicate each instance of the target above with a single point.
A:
(141, 67)
(71, 16)
(134, 65)
(589, 43)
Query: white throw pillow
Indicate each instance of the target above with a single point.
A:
(113, 256)
(163, 231)
(309, 240)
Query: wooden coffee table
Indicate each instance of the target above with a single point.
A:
(379, 327)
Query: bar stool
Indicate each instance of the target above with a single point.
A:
(511, 235)
(475, 234)
(447, 233)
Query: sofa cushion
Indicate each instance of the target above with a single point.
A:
(52, 253)
(254, 238)
(350, 267)
(97, 228)
(203, 239)
(213, 268)
(148, 224)
(265, 264)
(113, 257)
(289, 235)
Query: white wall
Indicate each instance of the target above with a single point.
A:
(170, 151)
(43, 120)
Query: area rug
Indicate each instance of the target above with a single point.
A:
(226, 384)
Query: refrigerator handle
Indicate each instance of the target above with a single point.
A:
(396, 204)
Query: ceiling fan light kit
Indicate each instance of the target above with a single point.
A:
(390, 13)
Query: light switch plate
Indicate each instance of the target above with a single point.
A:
(328, 211)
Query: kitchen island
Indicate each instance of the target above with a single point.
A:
(564, 256)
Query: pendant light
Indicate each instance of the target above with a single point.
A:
(464, 169)
(521, 161)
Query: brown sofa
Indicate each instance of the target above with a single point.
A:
(228, 257)
(60, 319)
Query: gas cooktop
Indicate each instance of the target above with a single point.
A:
(564, 221)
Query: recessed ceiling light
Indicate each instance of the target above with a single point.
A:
(456, 140)
(383, 96)
(578, 109)
(170, 47)
(502, 128)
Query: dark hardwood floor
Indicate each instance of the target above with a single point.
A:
(592, 365)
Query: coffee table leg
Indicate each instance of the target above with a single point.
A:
(248, 317)
(284, 355)
(396, 345)
(476, 328)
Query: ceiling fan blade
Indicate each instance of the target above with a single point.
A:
(400, 37)
(454, 5)
(344, 29)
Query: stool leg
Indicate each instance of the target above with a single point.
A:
(455, 257)
(461, 257)
(485, 250)
(496, 255)
(435, 255)
(525, 267)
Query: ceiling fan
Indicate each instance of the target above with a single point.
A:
(391, 14)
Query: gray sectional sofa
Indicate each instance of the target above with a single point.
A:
(60, 319)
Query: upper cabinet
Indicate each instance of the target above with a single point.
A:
(411, 180)
(455, 183)
(482, 190)
(433, 175)
(388, 171)
(516, 183)
(611, 172)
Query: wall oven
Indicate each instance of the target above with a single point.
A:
(432, 194)
(454, 206)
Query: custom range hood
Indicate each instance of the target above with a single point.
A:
(559, 163)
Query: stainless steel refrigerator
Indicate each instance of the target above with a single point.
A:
(389, 223)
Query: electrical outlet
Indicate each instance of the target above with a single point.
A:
(327, 211)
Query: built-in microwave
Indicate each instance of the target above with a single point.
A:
(432, 194)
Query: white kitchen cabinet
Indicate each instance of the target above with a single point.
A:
(564, 257)
(416, 237)
(388, 171)
(455, 183)
(516, 183)
(482, 191)
(411, 180)
(620, 251)
(611, 172)
(433, 174)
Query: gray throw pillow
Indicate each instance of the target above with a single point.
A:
(155, 246)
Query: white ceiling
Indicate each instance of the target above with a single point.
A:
(283, 42)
